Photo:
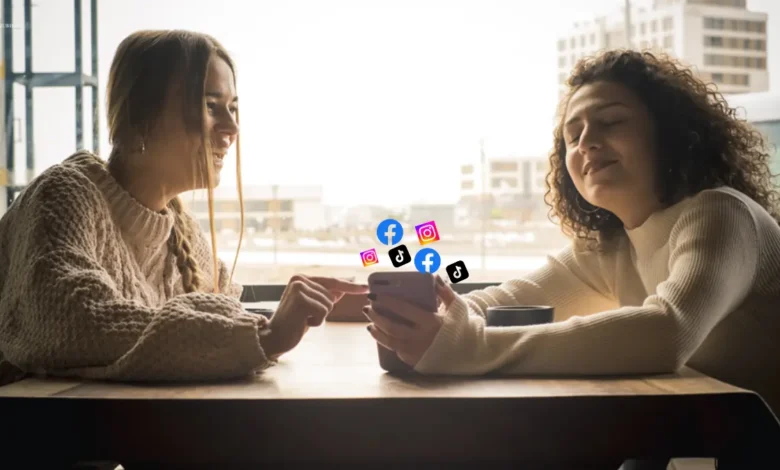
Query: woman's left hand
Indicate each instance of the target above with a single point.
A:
(409, 341)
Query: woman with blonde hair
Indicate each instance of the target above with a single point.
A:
(104, 275)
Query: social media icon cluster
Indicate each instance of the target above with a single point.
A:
(427, 260)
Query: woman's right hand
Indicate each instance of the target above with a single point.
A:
(306, 301)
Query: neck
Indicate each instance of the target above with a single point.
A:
(636, 214)
(143, 180)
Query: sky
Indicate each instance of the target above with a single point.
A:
(379, 102)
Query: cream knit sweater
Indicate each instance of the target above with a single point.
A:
(696, 284)
(89, 288)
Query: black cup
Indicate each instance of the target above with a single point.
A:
(266, 312)
(519, 315)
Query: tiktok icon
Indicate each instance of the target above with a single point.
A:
(399, 256)
(457, 272)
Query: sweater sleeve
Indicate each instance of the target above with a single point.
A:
(573, 282)
(713, 263)
(62, 314)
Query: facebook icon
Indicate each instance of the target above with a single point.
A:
(389, 232)
(427, 260)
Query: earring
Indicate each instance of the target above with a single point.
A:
(586, 211)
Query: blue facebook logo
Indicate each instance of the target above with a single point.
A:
(390, 232)
(427, 260)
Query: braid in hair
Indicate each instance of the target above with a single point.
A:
(181, 246)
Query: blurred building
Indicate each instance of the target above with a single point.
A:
(514, 189)
(290, 208)
(442, 214)
(722, 40)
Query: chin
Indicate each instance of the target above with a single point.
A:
(601, 196)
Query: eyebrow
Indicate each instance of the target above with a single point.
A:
(217, 94)
(597, 108)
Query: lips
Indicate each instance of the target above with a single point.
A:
(595, 166)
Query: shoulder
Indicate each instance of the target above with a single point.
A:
(718, 206)
(65, 183)
(62, 192)
(719, 218)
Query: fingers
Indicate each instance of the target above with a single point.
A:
(444, 292)
(383, 338)
(316, 286)
(391, 328)
(340, 285)
(312, 290)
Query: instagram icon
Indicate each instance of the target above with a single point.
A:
(369, 257)
(427, 232)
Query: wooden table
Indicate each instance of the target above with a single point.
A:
(328, 402)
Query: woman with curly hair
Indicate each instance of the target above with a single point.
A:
(675, 258)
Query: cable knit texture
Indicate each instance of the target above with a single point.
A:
(88, 288)
(698, 284)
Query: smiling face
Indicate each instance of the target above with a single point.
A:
(182, 148)
(611, 150)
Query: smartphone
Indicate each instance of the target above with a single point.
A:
(414, 287)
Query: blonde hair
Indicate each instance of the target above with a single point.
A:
(145, 67)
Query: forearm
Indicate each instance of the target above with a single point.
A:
(625, 341)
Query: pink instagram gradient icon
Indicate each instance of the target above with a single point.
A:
(427, 232)
(369, 257)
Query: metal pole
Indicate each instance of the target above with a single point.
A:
(79, 73)
(7, 173)
(628, 23)
(95, 115)
(275, 215)
(483, 200)
(28, 91)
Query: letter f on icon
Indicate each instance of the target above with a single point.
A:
(390, 233)
(427, 262)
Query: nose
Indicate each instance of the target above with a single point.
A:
(590, 140)
(226, 127)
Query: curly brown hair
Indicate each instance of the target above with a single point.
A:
(702, 144)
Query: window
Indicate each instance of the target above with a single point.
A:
(255, 205)
(723, 3)
(503, 183)
(503, 167)
(735, 43)
(731, 24)
(771, 131)
(713, 41)
(735, 61)
(335, 139)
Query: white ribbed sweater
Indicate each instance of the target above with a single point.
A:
(697, 284)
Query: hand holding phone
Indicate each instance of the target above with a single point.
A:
(401, 301)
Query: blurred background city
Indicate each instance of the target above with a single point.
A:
(356, 111)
